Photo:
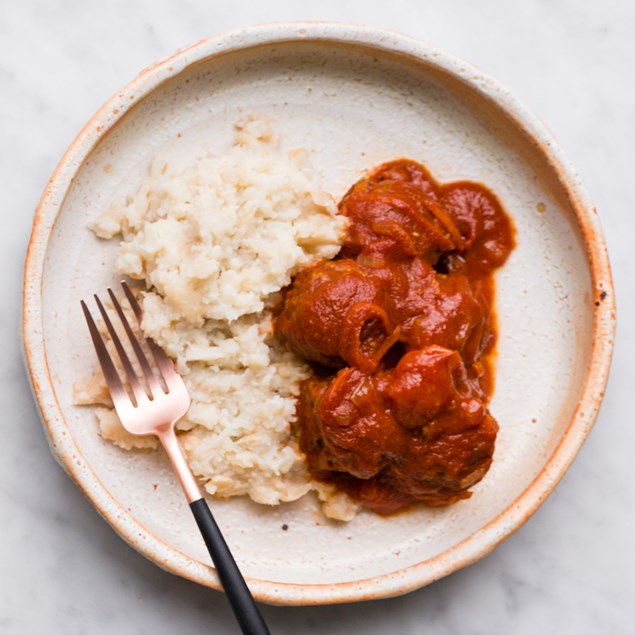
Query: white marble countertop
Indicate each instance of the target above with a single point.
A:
(570, 569)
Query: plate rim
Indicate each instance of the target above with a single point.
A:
(469, 550)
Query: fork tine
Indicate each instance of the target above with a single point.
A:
(111, 375)
(168, 372)
(138, 390)
(152, 381)
(133, 301)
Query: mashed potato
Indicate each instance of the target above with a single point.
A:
(215, 243)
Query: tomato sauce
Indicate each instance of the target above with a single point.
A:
(400, 329)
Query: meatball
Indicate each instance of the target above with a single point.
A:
(446, 311)
(421, 384)
(337, 314)
(432, 308)
(346, 420)
(396, 219)
(439, 471)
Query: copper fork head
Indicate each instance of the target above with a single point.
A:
(156, 396)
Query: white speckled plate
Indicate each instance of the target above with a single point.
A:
(354, 97)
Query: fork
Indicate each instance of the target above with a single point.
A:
(154, 409)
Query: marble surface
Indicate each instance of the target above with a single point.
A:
(571, 569)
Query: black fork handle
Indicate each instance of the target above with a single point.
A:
(238, 594)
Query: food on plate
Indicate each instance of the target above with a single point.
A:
(346, 352)
(401, 330)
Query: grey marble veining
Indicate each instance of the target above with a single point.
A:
(571, 569)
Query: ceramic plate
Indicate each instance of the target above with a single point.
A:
(354, 97)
